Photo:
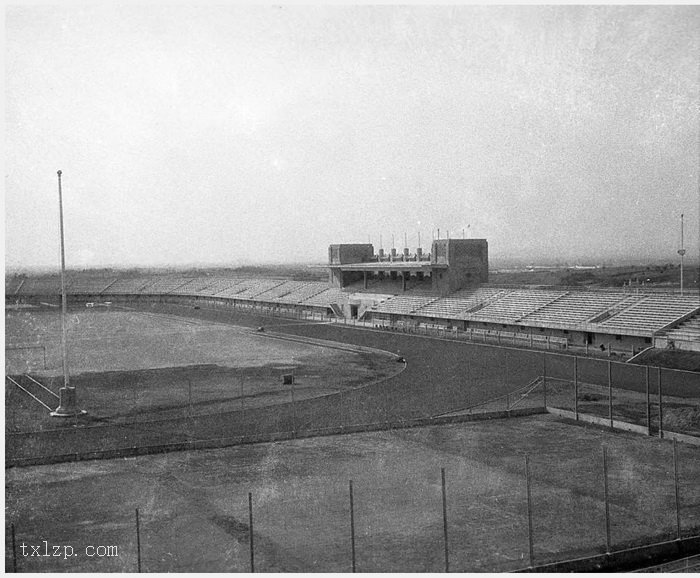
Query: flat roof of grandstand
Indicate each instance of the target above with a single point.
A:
(384, 265)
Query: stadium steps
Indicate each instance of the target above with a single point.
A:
(81, 286)
(491, 299)
(689, 330)
(327, 297)
(223, 287)
(194, 286)
(403, 304)
(127, 286)
(112, 282)
(574, 308)
(539, 308)
(301, 294)
(514, 305)
(626, 302)
(652, 313)
(35, 390)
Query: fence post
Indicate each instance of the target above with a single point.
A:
(607, 501)
(14, 549)
(250, 531)
(294, 409)
(189, 399)
(529, 511)
(544, 371)
(576, 387)
(661, 411)
(646, 376)
(675, 479)
(352, 528)
(610, 394)
(444, 520)
(138, 541)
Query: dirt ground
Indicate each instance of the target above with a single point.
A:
(193, 506)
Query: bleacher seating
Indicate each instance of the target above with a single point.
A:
(456, 304)
(41, 286)
(87, 286)
(574, 308)
(193, 285)
(403, 304)
(651, 313)
(128, 286)
(13, 284)
(689, 330)
(218, 285)
(163, 285)
(515, 305)
(326, 297)
(303, 292)
(279, 290)
(602, 311)
(250, 288)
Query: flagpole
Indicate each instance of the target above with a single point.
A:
(68, 399)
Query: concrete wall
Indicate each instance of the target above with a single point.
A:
(344, 254)
(350, 253)
(459, 263)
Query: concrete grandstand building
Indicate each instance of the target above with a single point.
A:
(446, 289)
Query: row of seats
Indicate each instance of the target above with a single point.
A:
(614, 311)
(458, 303)
(574, 307)
(689, 330)
(652, 312)
(303, 292)
(516, 305)
(403, 304)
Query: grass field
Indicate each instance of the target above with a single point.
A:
(139, 363)
(194, 505)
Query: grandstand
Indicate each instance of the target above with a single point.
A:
(459, 303)
(415, 289)
(403, 304)
(573, 308)
(513, 306)
(686, 333)
(651, 313)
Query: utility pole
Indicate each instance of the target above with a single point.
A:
(68, 399)
(681, 252)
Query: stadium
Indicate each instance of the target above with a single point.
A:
(416, 343)
(216, 361)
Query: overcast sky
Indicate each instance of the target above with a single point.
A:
(262, 134)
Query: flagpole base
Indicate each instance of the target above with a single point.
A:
(68, 404)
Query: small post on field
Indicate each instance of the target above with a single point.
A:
(138, 542)
(294, 409)
(529, 511)
(661, 411)
(352, 528)
(646, 380)
(444, 520)
(250, 531)
(607, 500)
(14, 549)
(189, 401)
(610, 393)
(544, 376)
(576, 388)
(675, 479)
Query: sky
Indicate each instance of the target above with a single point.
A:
(196, 134)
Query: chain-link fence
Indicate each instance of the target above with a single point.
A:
(489, 509)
